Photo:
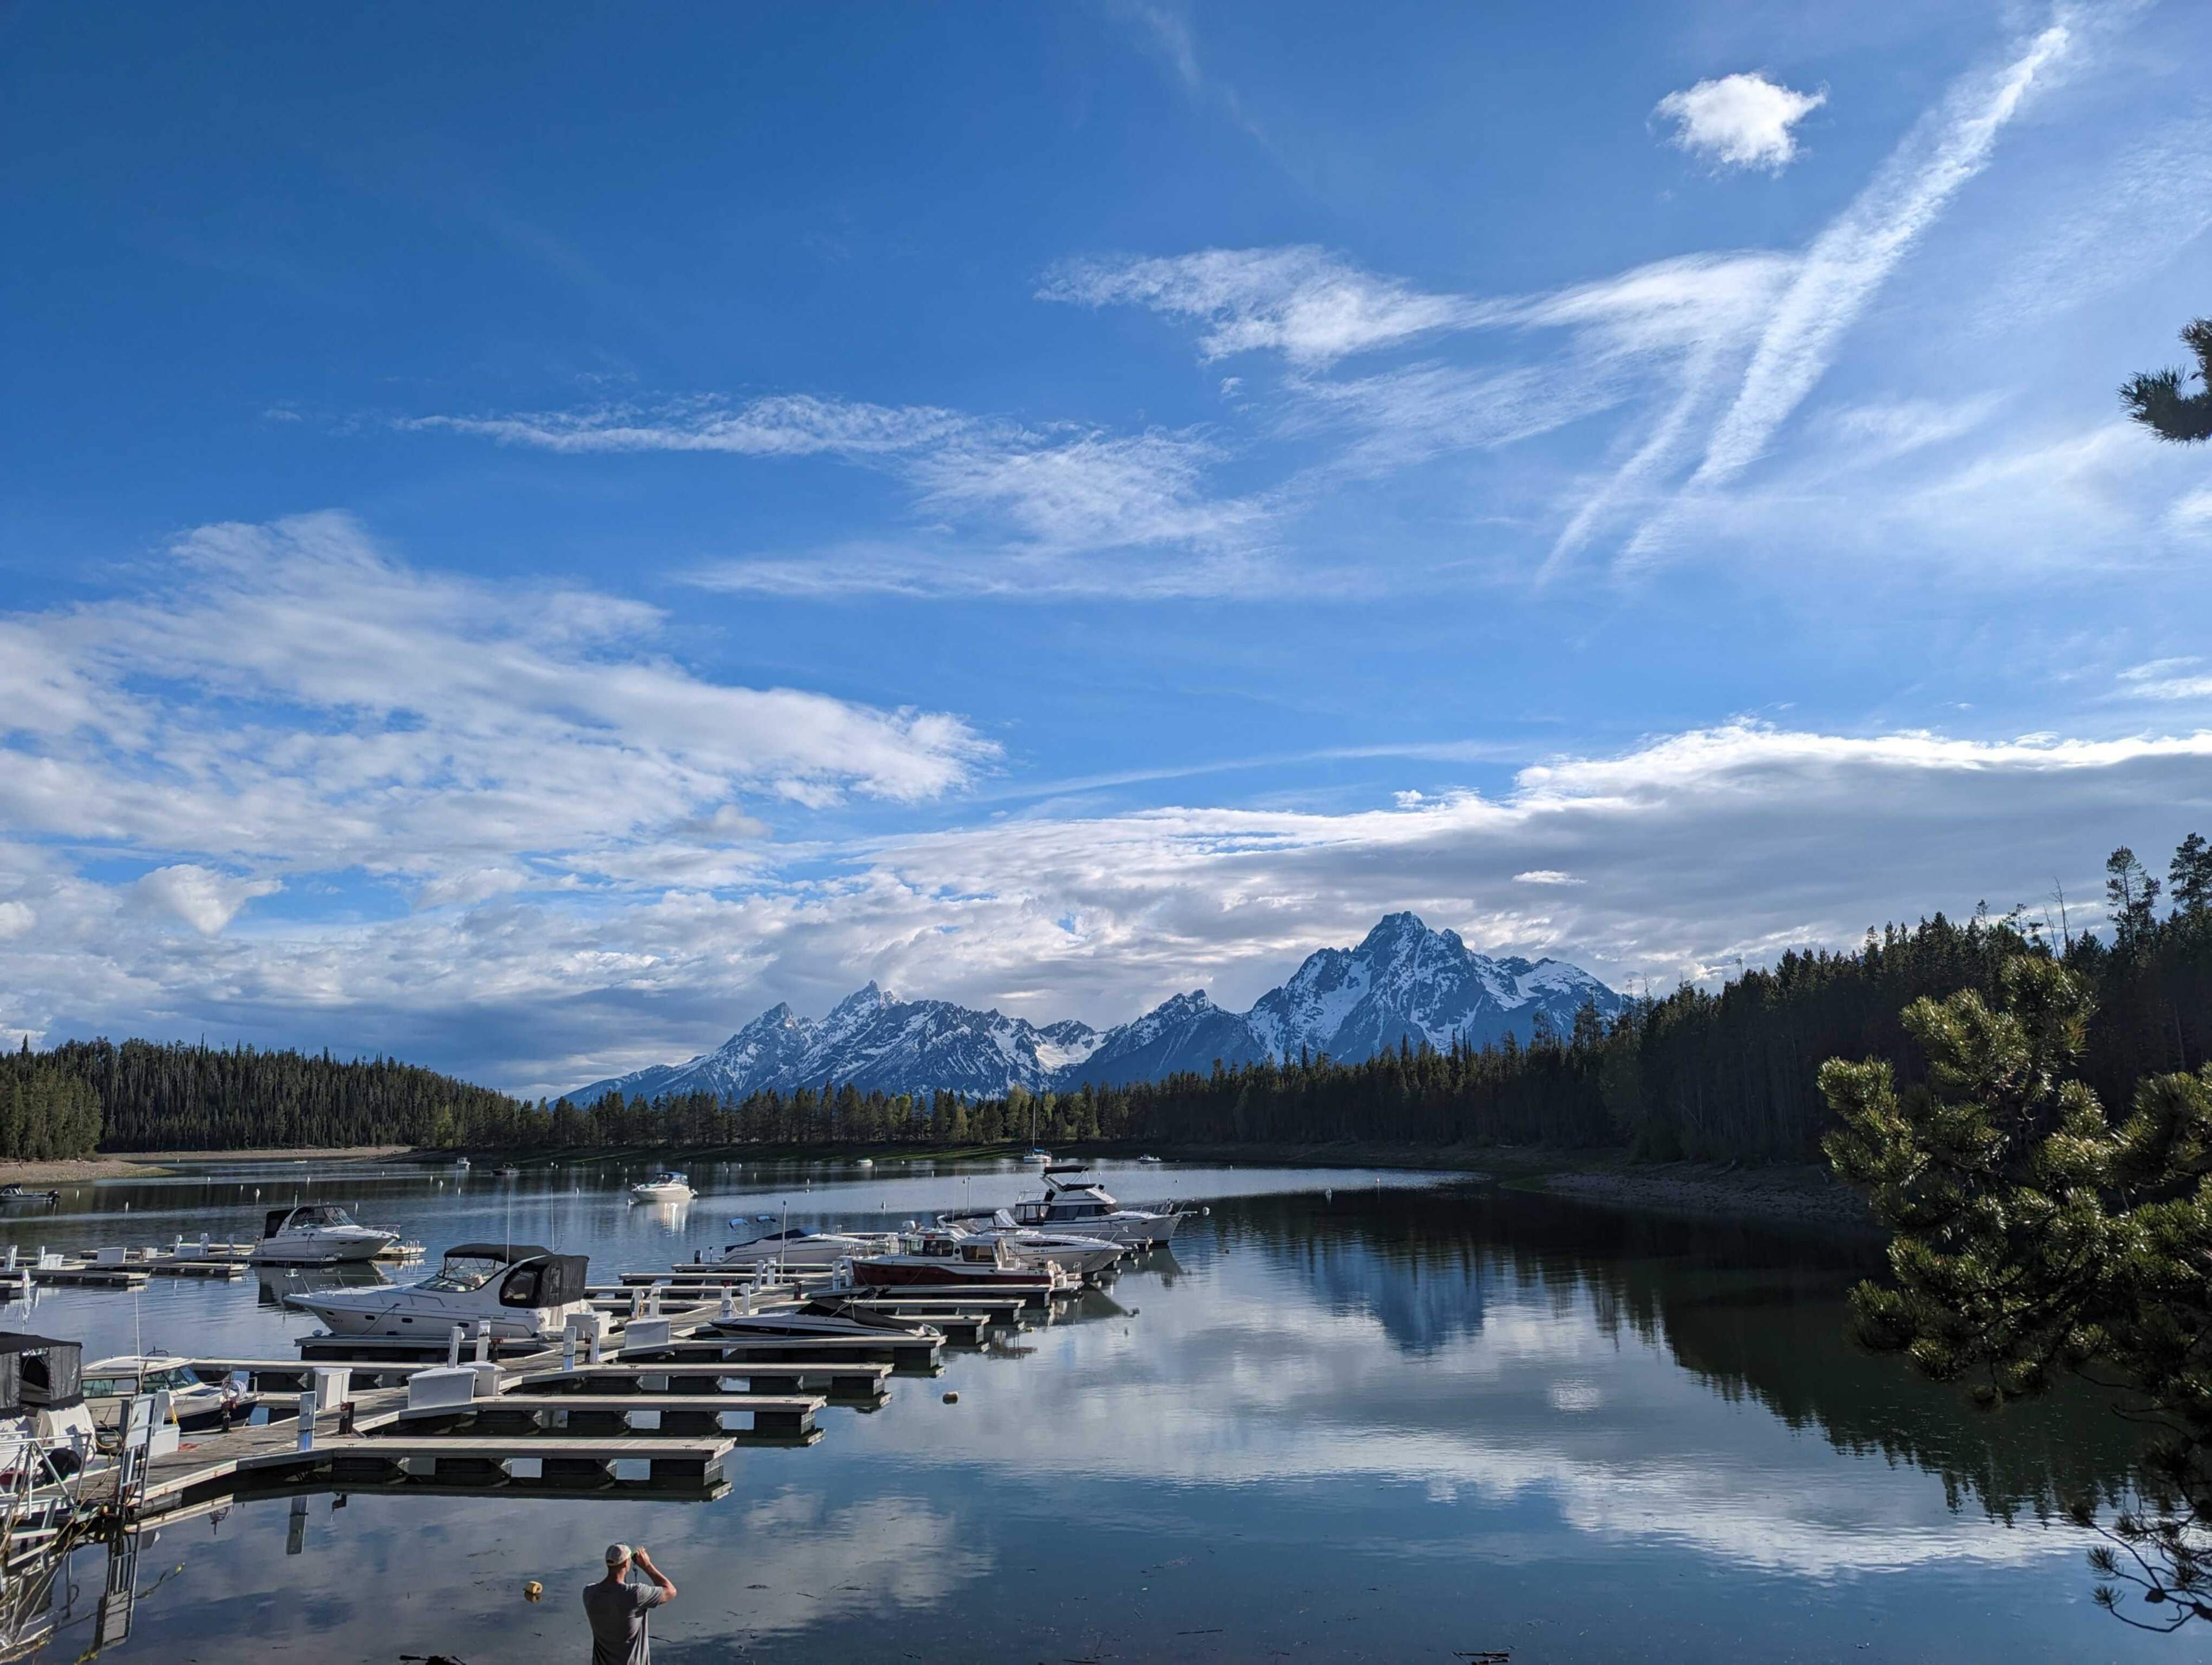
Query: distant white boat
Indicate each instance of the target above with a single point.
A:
(663, 1187)
(1148, 1162)
(461, 1164)
(1042, 1158)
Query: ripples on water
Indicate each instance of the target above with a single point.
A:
(1351, 1416)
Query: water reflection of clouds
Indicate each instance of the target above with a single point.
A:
(401, 1568)
(1252, 1376)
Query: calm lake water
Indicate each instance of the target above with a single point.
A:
(1353, 1416)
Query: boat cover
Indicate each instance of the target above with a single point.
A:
(39, 1371)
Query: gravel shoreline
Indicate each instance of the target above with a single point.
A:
(149, 1164)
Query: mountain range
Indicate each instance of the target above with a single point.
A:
(1403, 982)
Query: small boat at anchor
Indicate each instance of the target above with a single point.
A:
(17, 1196)
(669, 1186)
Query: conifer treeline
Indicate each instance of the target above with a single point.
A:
(178, 1098)
(1715, 1075)
(46, 1112)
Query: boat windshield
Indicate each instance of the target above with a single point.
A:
(317, 1215)
(461, 1273)
(174, 1378)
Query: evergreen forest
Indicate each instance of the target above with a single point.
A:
(1730, 1074)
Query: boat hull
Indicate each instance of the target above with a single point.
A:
(897, 1274)
(324, 1251)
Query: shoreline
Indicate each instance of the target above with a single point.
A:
(153, 1164)
(1804, 1194)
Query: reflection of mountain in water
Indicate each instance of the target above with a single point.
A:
(1747, 1309)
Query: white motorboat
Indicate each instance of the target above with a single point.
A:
(525, 1292)
(663, 1187)
(1042, 1158)
(1148, 1162)
(460, 1164)
(804, 1250)
(824, 1320)
(942, 1259)
(111, 1385)
(1082, 1206)
(317, 1234)
(1085, 1256)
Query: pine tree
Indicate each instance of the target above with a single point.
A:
(2130, 895)
(2157, 400)
(2032, 1239)
(2189, 880)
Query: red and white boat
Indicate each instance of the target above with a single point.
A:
(942, 1259)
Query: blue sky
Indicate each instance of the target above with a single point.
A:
(533, 534)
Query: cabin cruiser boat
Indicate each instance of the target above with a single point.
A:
(663, 1187)
(1087, 1257)
(804, 1250)
(828, 1319)
(42, 1403)
(460, 1164)
(111, 1385)
(1148, 1162)
(18, 1197)
(942, 1258)
(317, 1234)
(524, 1291)
(1082, 1206)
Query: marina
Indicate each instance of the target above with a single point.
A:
(1213, 1402)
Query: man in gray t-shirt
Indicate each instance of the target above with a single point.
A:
(616, 1608)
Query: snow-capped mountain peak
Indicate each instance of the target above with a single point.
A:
(1403, 983)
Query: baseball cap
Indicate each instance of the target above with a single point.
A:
(618, 1552)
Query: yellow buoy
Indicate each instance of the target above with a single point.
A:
(532, 1589)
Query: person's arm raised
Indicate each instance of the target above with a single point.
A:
(666, 1584)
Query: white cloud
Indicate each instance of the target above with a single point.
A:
(1690, 850)
(1852, 258)
(2167, 679)
(1305, 303)
(786, 425)
(1037, 495)
(1545, 876)
(203, 899)
(15, 920)
(1740, 120)
(288, 698)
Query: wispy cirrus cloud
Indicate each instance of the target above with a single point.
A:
(1038, 495)
(1308, 305)
(1850, 260)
